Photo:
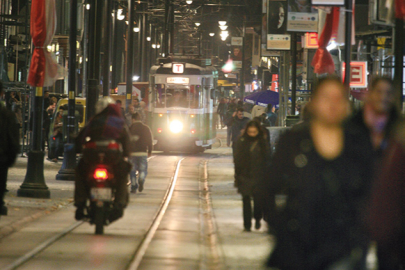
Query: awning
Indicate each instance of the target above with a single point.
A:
(263, 98)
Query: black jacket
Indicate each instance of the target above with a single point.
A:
(251, 158)
(321, 222)
(141, 138)
(237, 126)
(9, 137)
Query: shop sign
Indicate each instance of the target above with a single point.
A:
(311, 41)
(358, 74)
(278, 42)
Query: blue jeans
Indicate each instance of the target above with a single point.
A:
(140, 165)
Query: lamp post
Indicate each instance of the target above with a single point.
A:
(130, 52)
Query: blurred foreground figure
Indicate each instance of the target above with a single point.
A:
(251, 156)
(325, 172)
(9, 146)
(376, 121)
(387, 210)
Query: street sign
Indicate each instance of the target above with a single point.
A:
(178, 68)
(358, 74)
(237, 41)
(311, 41)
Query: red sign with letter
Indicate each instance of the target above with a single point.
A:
(178, 68)
(311, 41)
(358, 74)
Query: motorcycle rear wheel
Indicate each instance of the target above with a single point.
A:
(99, 219)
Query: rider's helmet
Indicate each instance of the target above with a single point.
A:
(103, 103)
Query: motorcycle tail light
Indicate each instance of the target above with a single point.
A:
(114, 146)
(101, 174)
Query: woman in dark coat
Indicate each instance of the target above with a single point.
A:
(325, 172)
(251, 157)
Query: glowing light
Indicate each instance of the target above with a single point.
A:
(159, 130)
(135, 78)
(148, 38)
(100, 174)
(192, 116)
(223, 27)
(120, 16)
(228, 67)
(222, 23)
(160, 114)
(154, 46)
(189, 2)
(88, 6)
(176, 126)
(136, 29)
(197, 24)
(212, 34)
(193, 131)
(331, 46)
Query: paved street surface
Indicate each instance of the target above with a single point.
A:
(201, 228)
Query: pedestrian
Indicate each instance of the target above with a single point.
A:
(228, 118)
(9, 146)
(221, 111)
(119, 103)
(57, 135)
(271, 115)
(324, 170)
(387, 206)
(128, 115)
(251, 156)
(257, 111)
(376, 120)
(139, 109)
(238, 124)
(141, 149)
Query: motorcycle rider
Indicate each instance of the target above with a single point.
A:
(107, 124)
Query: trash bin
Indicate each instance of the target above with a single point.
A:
(291, 120)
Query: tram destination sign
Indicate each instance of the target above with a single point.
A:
(177, 80)
(178, 68)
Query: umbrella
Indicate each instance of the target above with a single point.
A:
(263, 98)
(43, 69)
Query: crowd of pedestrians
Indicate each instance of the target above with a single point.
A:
(342, 174)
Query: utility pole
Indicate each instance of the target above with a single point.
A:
(399, 61)
(130, 52)
(67, 171)
(107, 38)
(293, 72)
(348, 41)
(242, 72)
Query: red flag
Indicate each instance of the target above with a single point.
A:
(322, 61)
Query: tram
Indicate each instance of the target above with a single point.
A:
(181, 108)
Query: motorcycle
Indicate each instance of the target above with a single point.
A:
(102, 158)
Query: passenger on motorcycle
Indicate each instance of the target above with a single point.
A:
(107, 124)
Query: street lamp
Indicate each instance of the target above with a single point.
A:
(197, 24)
(136, 29)
(148, 38)
(135, 78)
(212, 34)
(223, 27)
(189, 2)
(222, 23)
(154, 46)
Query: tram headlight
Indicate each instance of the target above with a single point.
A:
(176, 126)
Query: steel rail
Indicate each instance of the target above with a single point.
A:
(141, 250)
(29, 255)
(41, 247)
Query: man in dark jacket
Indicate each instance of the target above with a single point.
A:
(238, 125)
(141, 149)
(9, 146)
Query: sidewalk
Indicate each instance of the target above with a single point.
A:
(23, 210)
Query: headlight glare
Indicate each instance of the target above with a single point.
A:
(176, 126)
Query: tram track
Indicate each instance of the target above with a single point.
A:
(141, 248)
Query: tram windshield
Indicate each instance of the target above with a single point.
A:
(178, 96)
